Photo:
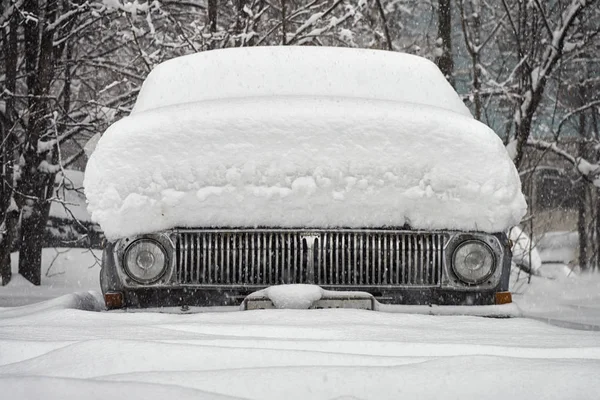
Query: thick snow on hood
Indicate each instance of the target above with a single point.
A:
(301, 162)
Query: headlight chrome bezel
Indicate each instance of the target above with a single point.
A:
(129, 280)
(159, 256)
(461, 275)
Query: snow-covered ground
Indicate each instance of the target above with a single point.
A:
(570, 301)
(60, 349)
(64, 271)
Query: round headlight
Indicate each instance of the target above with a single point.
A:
(473, 261)
(145, 260)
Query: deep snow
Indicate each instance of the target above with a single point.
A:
(279, 71)
(64, 271)
(292, 354)
(55, 350)
(293, 162)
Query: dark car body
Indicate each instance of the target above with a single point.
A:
(209, 267)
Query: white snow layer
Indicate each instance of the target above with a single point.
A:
(309, 161)
(291, 354)
(298, 71)
(65, 272)
(302, 296)
(298, 297)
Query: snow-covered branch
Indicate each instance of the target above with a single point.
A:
(313, 20)
(574, 112)
(590, 171)
(9, 11)
(67, 16)
(540, 72)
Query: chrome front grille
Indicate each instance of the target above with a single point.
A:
(323, 257)
(379, 258)
(240, 258)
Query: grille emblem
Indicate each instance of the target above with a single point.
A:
(310, 239)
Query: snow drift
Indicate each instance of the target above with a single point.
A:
(292, 354)
(339, 140)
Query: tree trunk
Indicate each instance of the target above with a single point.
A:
(596, 265)
(34, 184)
(386, 31)
(581, 204)
(212, 21)
(283, 23)
(476, 20)
(238, 28)
(30, 252)
(445, 62)
(581, 228)
(8, 214)
(6, 245)
(523, 131)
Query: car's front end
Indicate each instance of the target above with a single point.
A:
(209, 267)
(279, 171)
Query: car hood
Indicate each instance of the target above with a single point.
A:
(293, 161)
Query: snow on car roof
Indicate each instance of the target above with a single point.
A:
(298, 71)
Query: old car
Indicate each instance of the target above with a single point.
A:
(353, 170)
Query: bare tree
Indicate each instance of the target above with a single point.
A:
(557, 28)
(8, 209)
(444, 58)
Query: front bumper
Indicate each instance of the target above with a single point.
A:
(202, 297)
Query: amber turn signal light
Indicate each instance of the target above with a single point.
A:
(503, 298)
(113, 300)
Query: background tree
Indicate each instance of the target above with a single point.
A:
(444, 58)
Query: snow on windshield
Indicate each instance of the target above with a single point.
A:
(298, 71)
(301, 162)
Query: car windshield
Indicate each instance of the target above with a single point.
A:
(307, 199)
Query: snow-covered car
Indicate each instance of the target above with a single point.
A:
(353, 170)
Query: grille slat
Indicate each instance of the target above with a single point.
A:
(337, 258)
(295, 263)
(337, 271)
(327, 258)
(224, 258)
(277, 252)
